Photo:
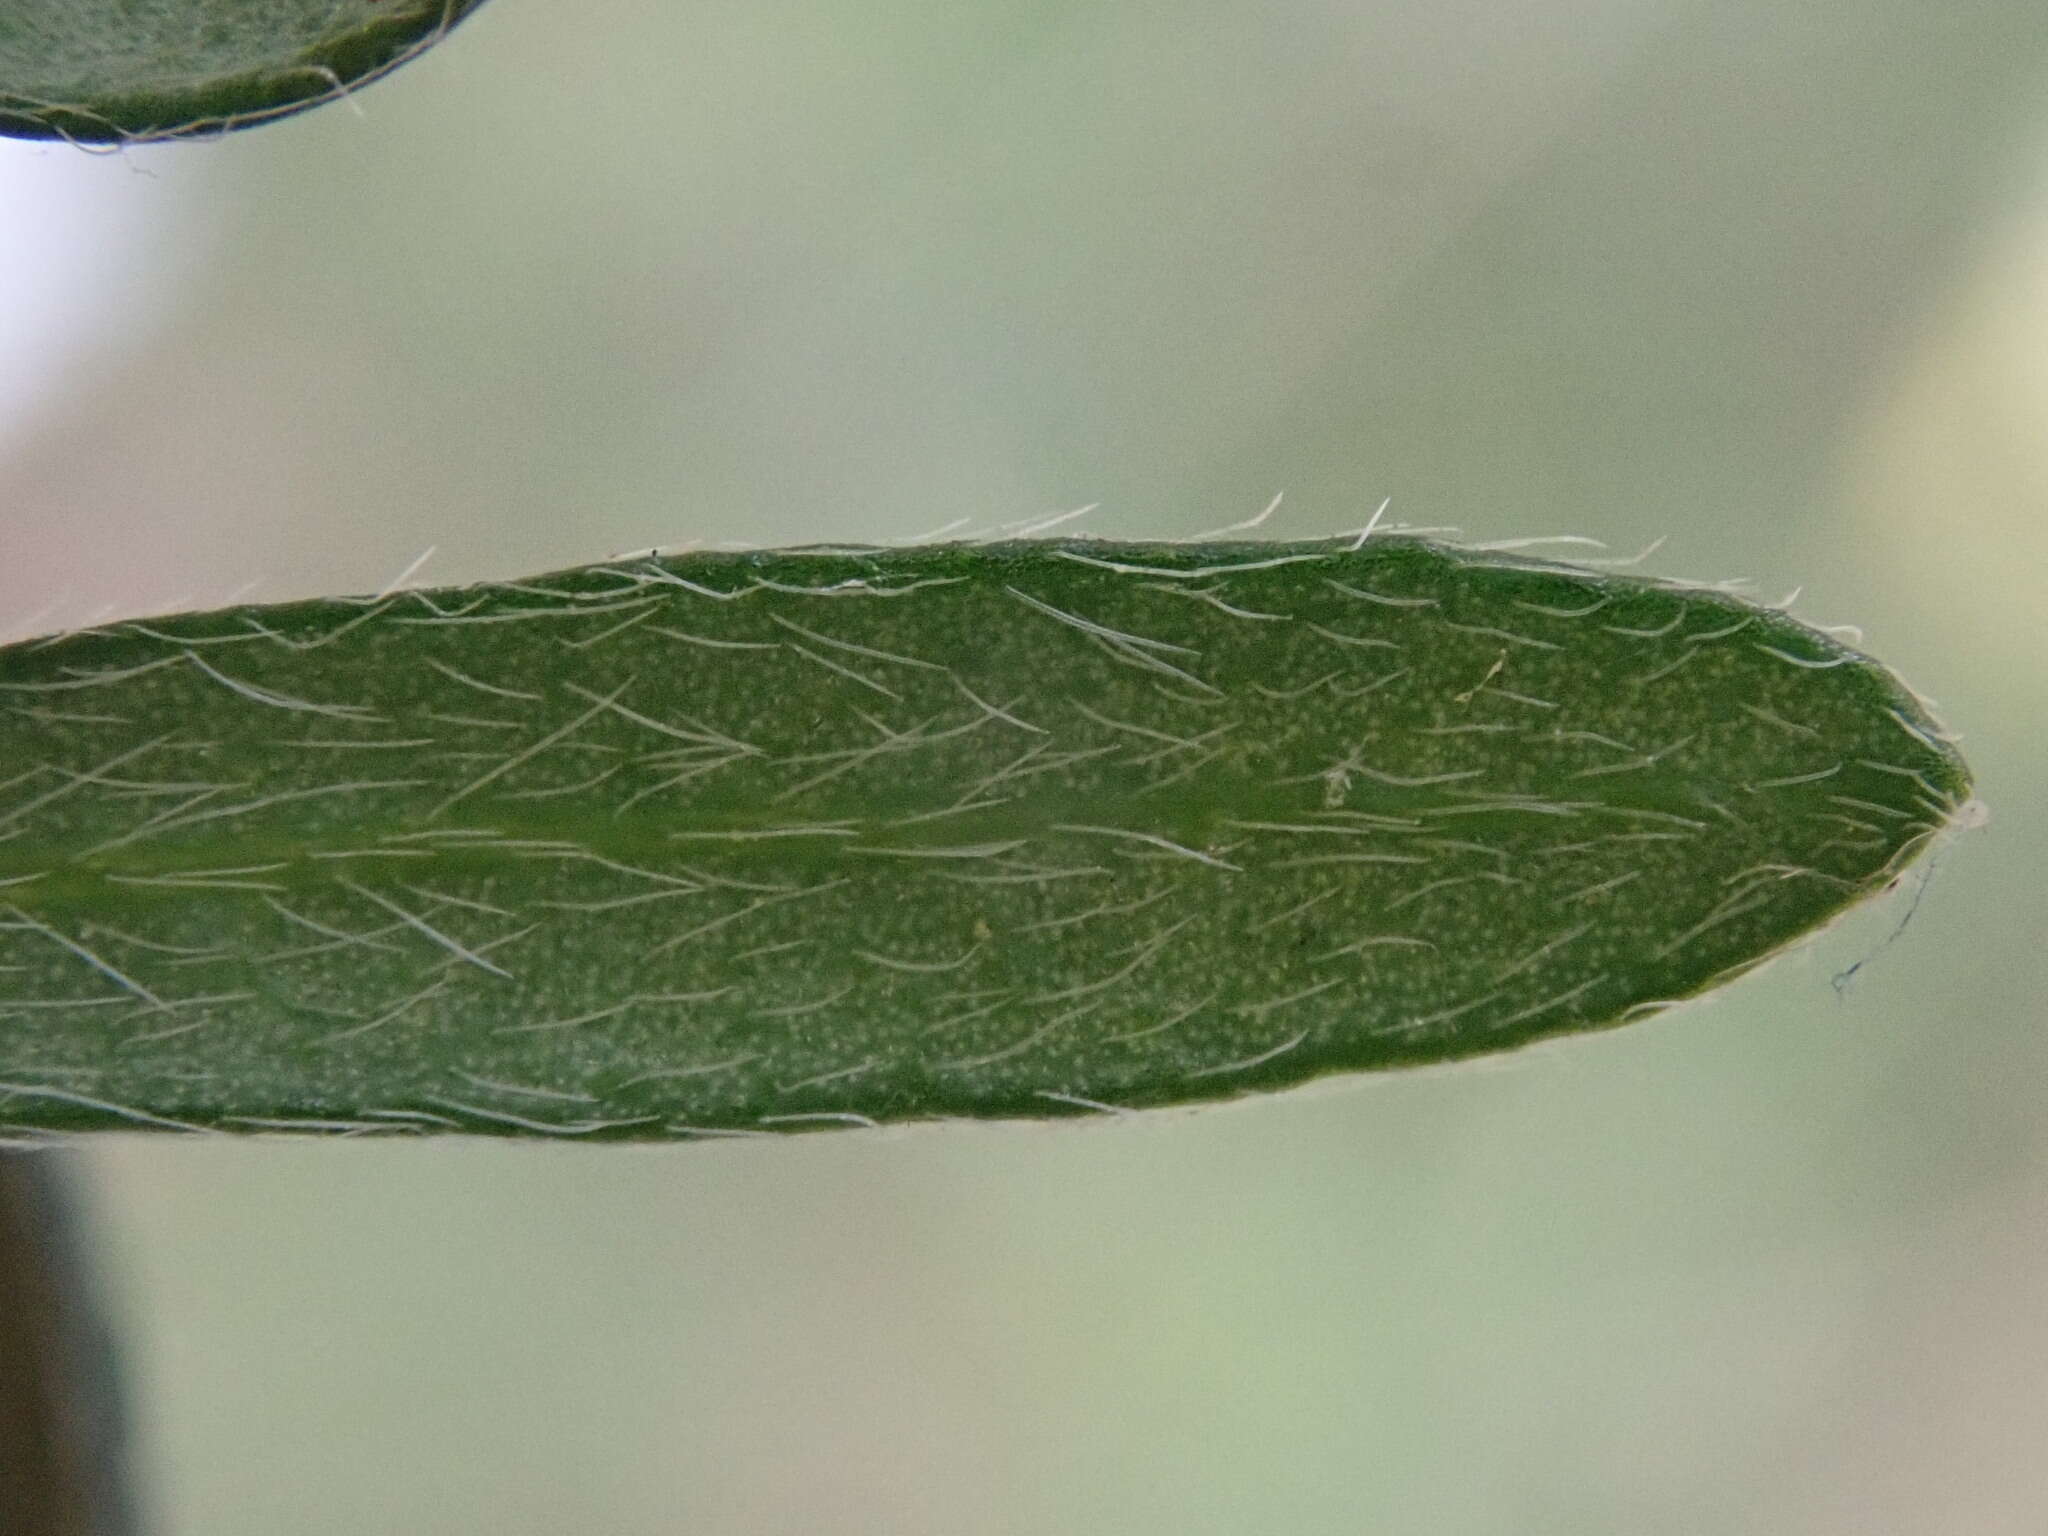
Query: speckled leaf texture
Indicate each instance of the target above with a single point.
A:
(121, 71)
(776, 841)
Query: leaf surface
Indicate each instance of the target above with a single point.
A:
(118, 71)
(727, 843)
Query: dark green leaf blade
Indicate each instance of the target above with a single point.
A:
(122, 71)
(728, 843)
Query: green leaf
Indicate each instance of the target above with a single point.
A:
(782, 840)
(118, 71)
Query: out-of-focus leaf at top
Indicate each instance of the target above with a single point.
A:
(121, 71)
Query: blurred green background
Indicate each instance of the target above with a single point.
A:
(1770, 282)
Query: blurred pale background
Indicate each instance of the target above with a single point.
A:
(1770, 281)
